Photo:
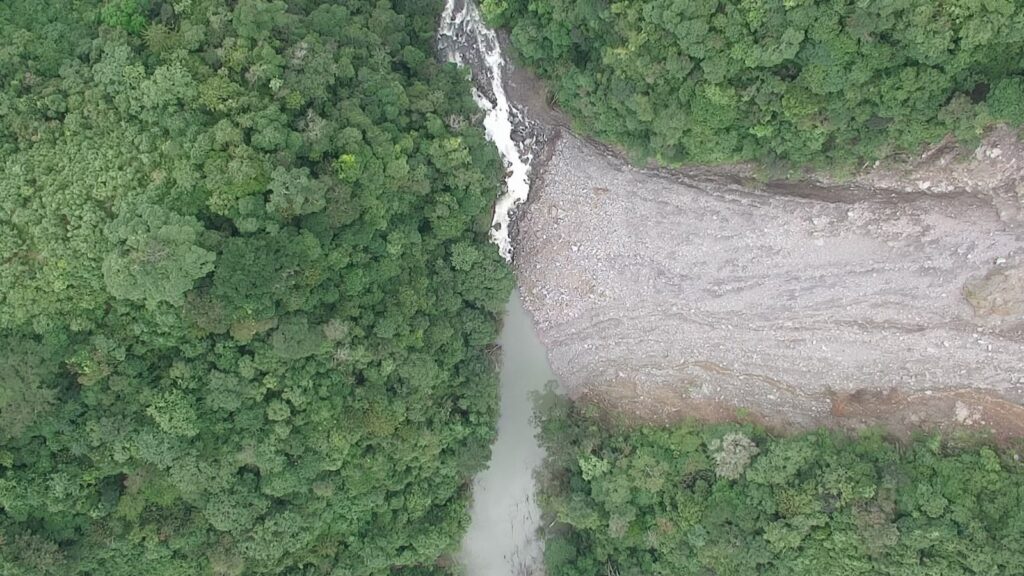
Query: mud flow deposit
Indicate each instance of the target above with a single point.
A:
(670, 292)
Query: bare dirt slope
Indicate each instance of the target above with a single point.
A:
(895, 299)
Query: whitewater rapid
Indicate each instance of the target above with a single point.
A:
(462, 36)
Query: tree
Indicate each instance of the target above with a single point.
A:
(247, 289)
(827, 83)
(157, 259)
(731, 499)
(28, 372)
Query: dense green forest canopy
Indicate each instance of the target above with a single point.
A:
(246, 292)
(822, 81)
(733, 501)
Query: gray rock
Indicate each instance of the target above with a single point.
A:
(757, 298)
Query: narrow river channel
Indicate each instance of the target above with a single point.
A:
(502, 539)
(502, 536)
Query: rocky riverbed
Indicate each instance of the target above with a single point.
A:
(683, 295)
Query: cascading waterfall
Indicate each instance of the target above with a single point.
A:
(463, 38)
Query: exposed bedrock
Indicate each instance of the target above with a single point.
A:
(768, 297)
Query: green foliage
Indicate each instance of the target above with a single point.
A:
(1006, 100)
(125, 14)
(732, 500)
(27, 373)
(822, 81)
(157, 258)
(247, 290)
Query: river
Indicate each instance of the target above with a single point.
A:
(464, 39)
(503, 535)
(502, 538)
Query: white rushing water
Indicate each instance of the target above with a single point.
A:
(461, 23)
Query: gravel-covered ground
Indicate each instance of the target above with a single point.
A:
(792, 300)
